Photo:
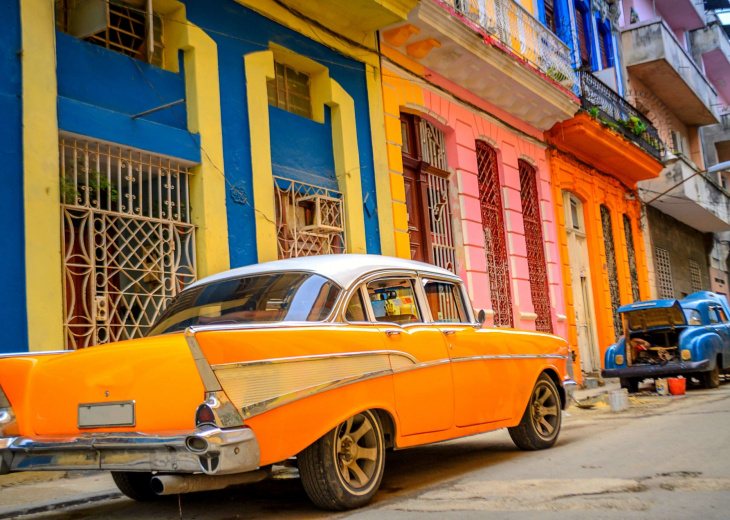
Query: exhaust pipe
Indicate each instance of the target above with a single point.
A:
(177, 484)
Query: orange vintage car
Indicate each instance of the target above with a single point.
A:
(329, 359)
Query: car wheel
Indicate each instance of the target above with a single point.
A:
(136, 486)
(630, 383)
(540, 424)
(711, 378)
(343, 469)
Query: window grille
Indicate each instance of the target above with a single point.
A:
(119, 25)
(128, 244)
(613, 287)
(439, 214)
(696, 276)
(495, 244)
(664, 274)
(535, 253)
(310, 220)
(290, 90)
(433, 146)
(633, 272)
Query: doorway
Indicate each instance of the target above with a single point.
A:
(580, 275)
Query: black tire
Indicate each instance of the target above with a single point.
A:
(711, 378)
(540, 424)
(136, 486)
(326, 467)
(630, 383)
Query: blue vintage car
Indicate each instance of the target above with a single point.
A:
(662, 338)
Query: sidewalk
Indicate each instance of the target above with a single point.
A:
(21, 498)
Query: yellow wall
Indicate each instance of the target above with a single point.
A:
(325, 91)
(397, 93)
(44, 273)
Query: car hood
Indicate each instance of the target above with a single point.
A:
(653, 314)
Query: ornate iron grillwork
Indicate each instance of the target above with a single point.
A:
(310, 220)
(433, 146)
(523, 33)
(695, 275)
(439, 215)
(128, 244)
(495, 246)
(539, 288)
(613, 287)
(616, 110)
(664, 274)
(635, 294)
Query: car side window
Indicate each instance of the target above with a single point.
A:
(356, 308)
(714, 318)
(445, 301)
(721, 315)
(394, 300)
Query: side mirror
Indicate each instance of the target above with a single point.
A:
(481, 317)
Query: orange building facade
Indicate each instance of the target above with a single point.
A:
(599, 231)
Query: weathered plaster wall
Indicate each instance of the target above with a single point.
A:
(595, 189)
(462, 128)
(684, 244)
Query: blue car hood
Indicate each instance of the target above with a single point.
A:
(653, 314)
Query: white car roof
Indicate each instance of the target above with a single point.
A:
(344, 269)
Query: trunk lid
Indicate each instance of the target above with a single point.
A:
(158, 374)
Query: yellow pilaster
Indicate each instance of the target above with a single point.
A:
(380, 161)
(260, 67)
(207, 184)
(43, 267)
(347, 165)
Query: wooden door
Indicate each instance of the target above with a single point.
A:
(415, 215)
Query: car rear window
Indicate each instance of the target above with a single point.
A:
(263, 298)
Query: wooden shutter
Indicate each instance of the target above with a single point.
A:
(550, 15)
(605, 62)
(583, 45)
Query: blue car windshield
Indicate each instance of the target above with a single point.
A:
(264, 298)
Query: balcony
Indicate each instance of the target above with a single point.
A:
(653, 55)
(699, 201)
(496, 50)
(711, 47)
(610, 108)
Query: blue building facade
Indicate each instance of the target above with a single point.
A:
(164, 155)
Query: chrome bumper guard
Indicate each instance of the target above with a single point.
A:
(569, 387)
(209, 450)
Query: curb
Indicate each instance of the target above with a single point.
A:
(51, 505)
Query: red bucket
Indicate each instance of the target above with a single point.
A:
(677, 385)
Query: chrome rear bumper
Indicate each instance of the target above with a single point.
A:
(208, 450)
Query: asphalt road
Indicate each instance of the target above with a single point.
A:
(665, 458)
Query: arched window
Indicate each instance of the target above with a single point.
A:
(495, 244)
(534, 242)
(636, 295)
(612, 270)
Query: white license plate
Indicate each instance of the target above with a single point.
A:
(97, 415)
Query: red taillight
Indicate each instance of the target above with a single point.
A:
(204, 415)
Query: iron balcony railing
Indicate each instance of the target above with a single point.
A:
(604, 104)
(516, 28)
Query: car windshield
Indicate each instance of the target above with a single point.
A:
(262, 298)
(693, 317)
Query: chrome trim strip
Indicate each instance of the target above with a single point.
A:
(509, 356)
(225, 366)
(44, 353)
(210, 382)
(427, 364)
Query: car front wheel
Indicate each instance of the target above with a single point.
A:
(711, 378)
(540, 424)
(343, 469)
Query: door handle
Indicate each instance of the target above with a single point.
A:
(449, 332)
(392, 332)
